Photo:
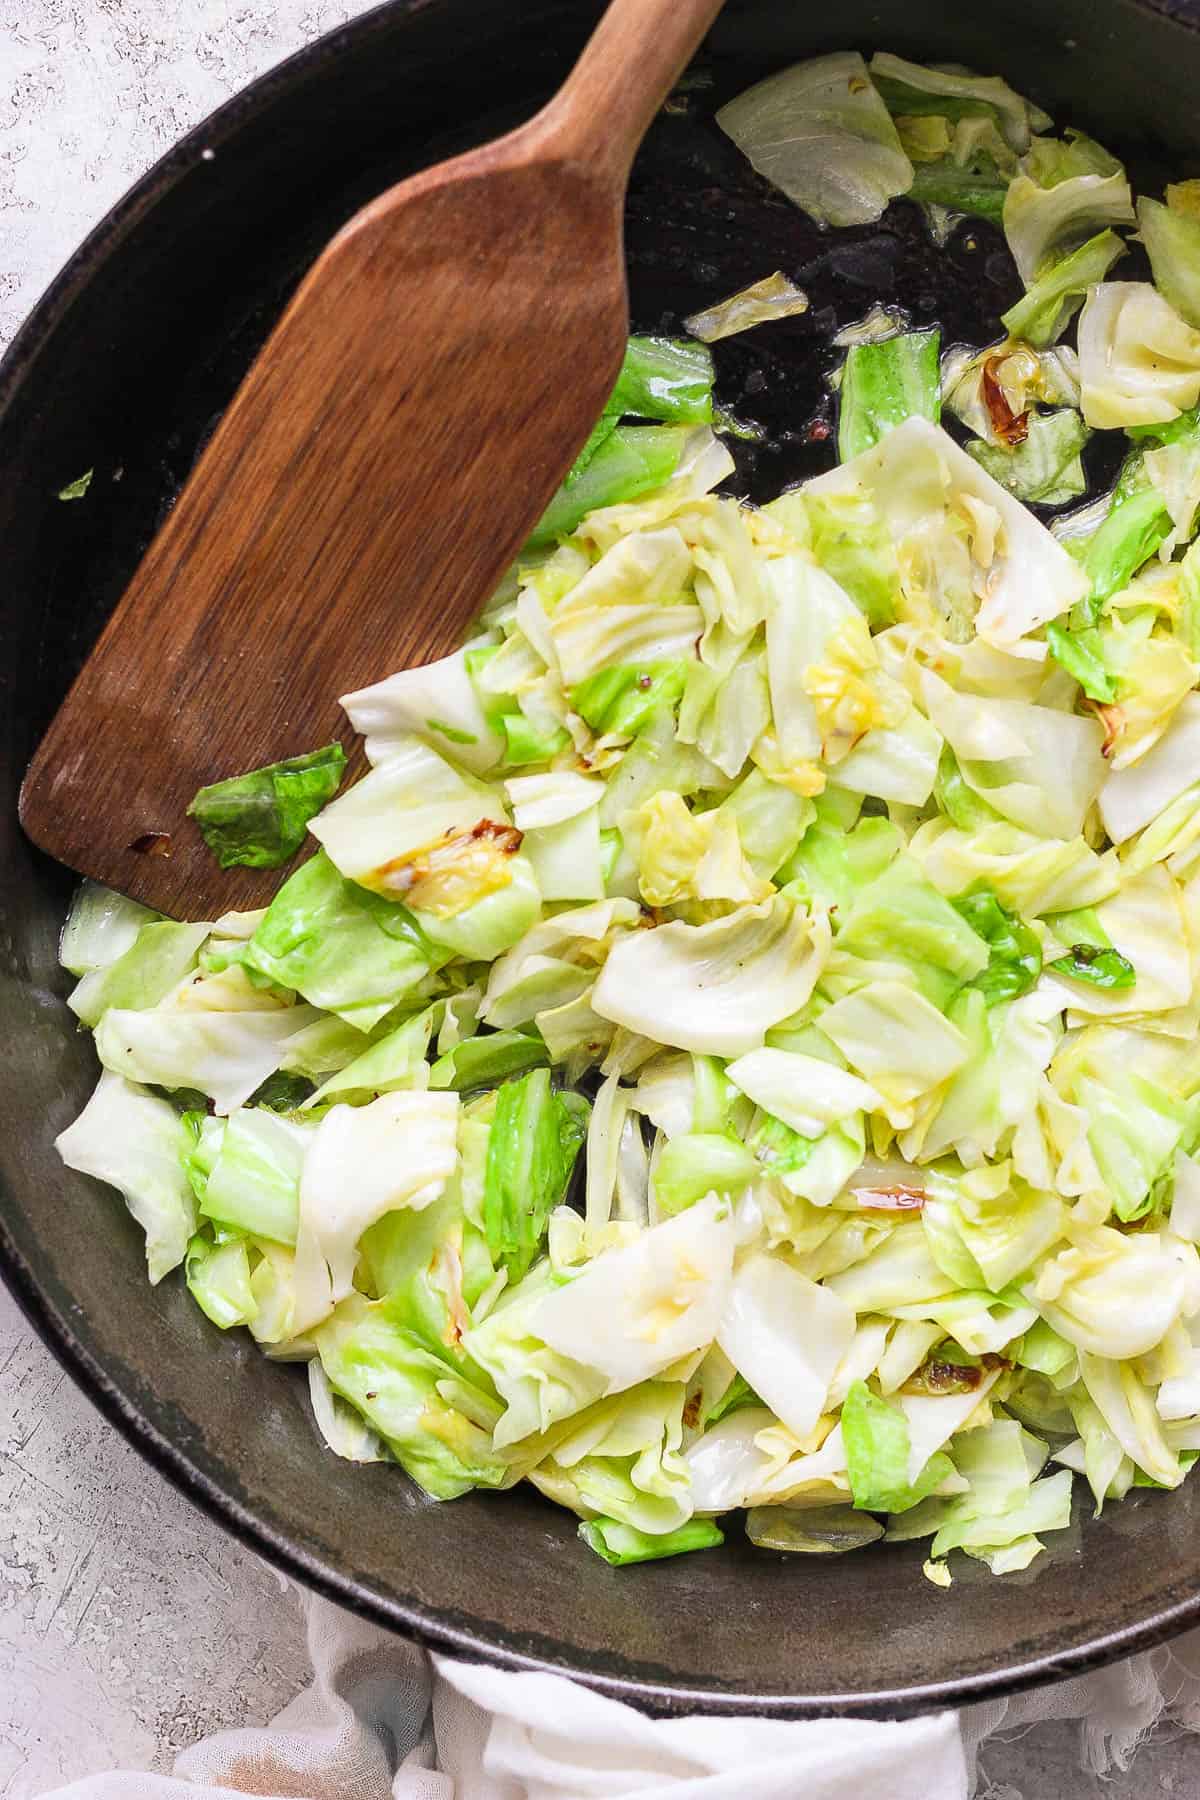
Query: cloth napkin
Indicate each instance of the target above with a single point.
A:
(384, 1721)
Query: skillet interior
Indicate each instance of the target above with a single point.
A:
(124, 367)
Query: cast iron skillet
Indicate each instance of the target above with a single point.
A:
(123, 367)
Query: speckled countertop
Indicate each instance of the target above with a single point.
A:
(130, 1624)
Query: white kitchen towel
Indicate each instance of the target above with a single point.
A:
(381, 1721)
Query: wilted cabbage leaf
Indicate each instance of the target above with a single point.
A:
(819, 131)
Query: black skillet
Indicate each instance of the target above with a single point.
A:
(123, 367)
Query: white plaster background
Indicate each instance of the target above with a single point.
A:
(93, 91)
(129, 1623)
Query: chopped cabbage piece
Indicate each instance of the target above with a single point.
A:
(885, 383)
(819, 131)
(912, 89)
(920, 481)
(1139, 361)
(774, 297)
(1045, 220)
(1055, 297)
(1172, 240)
(134, 1141)
(717, 987)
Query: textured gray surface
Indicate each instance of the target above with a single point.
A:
(93, 91)
(129, 1623)
(1043, 1764)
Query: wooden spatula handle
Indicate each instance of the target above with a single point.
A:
(628, 68)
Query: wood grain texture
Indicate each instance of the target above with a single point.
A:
(392, 446)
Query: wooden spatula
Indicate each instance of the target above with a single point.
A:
(383, 461)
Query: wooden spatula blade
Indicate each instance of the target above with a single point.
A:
(390, 450)
(448, 403)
